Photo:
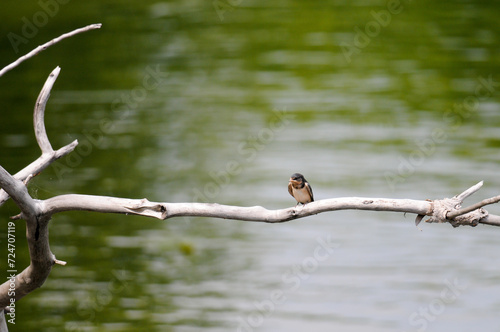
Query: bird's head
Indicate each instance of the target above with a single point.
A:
(297, 179)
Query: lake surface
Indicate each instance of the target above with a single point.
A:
(367, 98)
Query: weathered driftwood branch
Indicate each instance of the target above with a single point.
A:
(37, 213)
(163, 211)
(48, 154)
(47, 45)
(37, 234)
(41, 258)
(450, 210)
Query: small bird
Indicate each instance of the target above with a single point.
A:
(300, 189)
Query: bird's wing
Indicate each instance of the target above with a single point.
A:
(310, 190)
(290, 190)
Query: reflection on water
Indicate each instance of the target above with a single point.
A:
(248, 100)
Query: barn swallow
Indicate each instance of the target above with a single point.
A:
(300, 189)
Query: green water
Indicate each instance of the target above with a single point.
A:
(221, 101)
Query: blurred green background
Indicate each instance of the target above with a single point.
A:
(365, 98)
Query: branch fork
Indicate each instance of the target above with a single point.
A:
(450, 209)
(49, 155)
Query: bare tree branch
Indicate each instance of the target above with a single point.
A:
(473, 207)
(47, 45)
(39, 114)
(48, 154)
(491, 219)
(19, 193)
(37, 234)
(3, 323)
(163, 211)
(472, 190)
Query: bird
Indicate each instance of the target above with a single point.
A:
(300, 189)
